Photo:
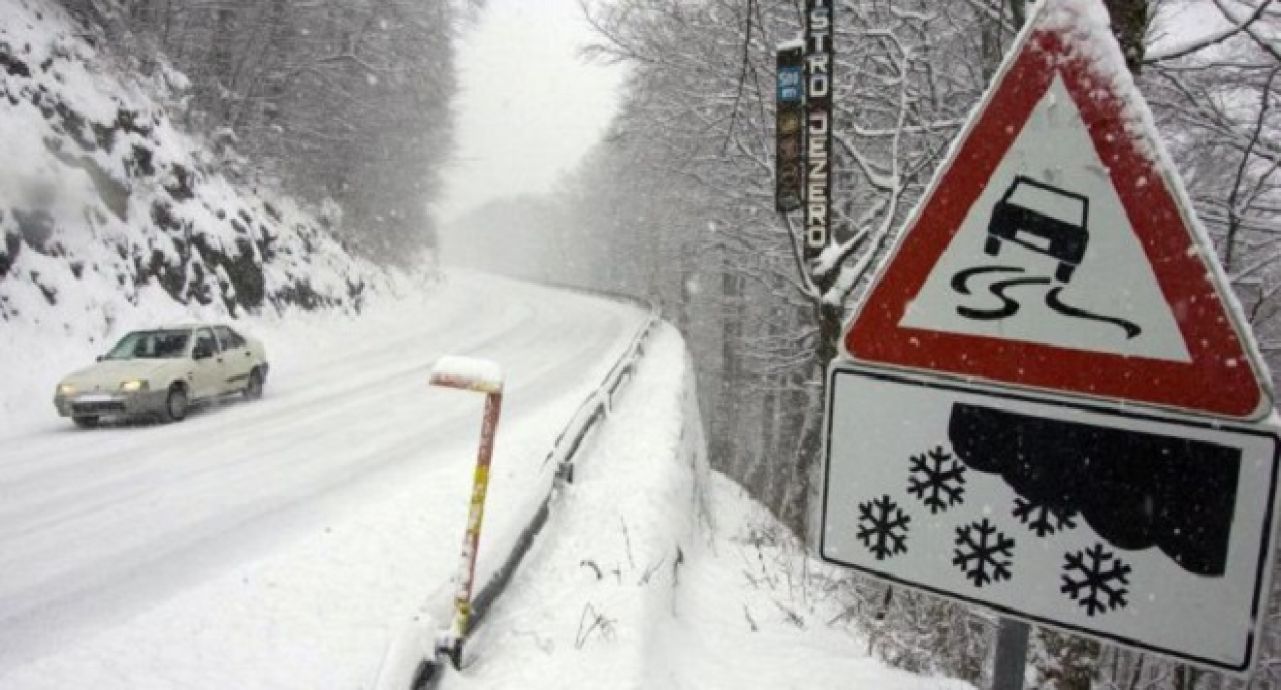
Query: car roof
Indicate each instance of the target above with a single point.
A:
(180, 326)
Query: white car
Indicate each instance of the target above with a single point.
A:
(162, 372)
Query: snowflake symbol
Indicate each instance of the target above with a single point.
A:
(934, 475)
(984, 554)
(1043, 519)
(883, 527)
(1097, 578)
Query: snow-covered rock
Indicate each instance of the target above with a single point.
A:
(113, 218)
(108, 207)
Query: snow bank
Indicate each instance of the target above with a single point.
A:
(647, 574)
(580, 611)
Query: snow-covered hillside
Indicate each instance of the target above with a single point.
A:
(656, 572)
(107, 205)
(111, 216)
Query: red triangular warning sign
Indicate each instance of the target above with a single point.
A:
(1055, 249)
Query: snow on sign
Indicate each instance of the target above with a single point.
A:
(1056, 249)
(1149, 531)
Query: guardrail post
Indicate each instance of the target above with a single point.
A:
(484, 377)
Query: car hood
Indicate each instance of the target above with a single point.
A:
(107, 375)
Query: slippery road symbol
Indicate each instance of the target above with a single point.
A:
(1047, 220)
(1010, 306)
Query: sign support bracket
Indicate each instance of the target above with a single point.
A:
(1011, 654)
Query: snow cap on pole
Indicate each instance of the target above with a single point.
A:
(468, 373)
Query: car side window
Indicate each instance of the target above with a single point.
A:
(170, 344)
(236, 340)
(205, 340)
(226, 338)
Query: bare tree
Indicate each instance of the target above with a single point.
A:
(336, 99)
(684, 187)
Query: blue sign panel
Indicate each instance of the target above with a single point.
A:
(789, 85)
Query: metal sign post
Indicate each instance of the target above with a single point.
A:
(461, 374)
(1011, 655)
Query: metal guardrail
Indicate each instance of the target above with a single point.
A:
(593, 411)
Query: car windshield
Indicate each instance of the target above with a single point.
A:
(1048, 202)
(151, 345)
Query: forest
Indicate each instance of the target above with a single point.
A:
(342, 103)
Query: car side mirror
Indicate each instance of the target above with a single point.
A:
(201, 353)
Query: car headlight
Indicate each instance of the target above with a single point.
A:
(136, 386)
(66, 390)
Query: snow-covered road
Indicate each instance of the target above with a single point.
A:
(109, 538)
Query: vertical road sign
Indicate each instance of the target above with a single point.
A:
(789, 164)
(819, 64)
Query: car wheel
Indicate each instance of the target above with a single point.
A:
(85, 422)
(1064, 273)
(253, 389)
(993, 246)
(176, 405)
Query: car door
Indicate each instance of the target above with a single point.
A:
(208, 378)
(237, 359)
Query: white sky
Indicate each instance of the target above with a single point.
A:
(529, 106)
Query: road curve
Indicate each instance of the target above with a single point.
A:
(97, 527)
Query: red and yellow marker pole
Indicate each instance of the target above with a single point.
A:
(482, 377)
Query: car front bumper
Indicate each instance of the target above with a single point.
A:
(110, 404)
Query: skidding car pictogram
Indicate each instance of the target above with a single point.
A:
(1043, 218)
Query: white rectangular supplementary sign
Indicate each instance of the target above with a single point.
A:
(1148, 531)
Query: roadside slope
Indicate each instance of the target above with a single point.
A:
(653, 572)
